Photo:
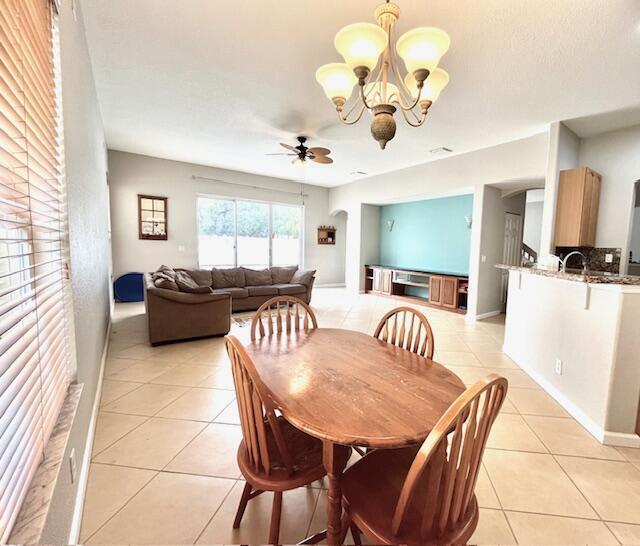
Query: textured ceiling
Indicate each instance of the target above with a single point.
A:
(220, 82)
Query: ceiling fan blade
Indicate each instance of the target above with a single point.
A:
(295, 159)
(322, 159)
(281, 153)
(319, 151)
(289, 147)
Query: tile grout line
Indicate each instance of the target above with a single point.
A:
(215, 512)
(122, 507)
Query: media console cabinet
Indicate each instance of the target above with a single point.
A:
(440, 289)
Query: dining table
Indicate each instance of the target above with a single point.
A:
(349, 388)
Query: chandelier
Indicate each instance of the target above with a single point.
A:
(362, 45)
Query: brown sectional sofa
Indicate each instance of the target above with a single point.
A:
(185, 304)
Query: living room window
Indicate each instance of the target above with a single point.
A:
(34, 345)
(255, 234)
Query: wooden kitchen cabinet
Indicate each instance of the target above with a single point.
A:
(443, 291)
(381, 280)
(577, 207)
(435, 289)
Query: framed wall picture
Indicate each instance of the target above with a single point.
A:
(152, 217)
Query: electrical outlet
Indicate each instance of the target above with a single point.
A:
(72, 465)
(180, 248)
(559, 366)
(608, 258)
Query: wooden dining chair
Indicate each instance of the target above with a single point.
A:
(282, 314)
(426, 495)
(273, 455)
(407, 328)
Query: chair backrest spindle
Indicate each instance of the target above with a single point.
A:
(297, 316)
(448, 462)
(408, 329)
(257, 414)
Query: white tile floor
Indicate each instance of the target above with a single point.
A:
(164, 471)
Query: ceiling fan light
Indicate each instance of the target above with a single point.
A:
(361, 44)
(422, 48)
(337, 80)
(374, 93)
(433, 85)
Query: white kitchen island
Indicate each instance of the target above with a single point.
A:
(579, 338)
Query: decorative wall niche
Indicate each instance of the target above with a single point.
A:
(152, 217)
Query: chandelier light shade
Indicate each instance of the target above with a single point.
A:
(373, 61)
(337, 80)
(433, 86)
(422, 48)
(361, 44)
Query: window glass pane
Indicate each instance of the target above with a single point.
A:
(147, 228)
(286, 227)
(146, 204)
(147, 215)
(158, 205)
(253, 234)
(215, 233)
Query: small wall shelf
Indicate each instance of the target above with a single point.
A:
(326, 235)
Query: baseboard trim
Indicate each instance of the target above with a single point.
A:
(331, 285)
(83, 475)
(482, 316)
(596, 430)
(621, 439)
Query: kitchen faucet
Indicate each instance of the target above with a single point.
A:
(584, 261)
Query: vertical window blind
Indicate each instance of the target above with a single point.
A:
(34, 347)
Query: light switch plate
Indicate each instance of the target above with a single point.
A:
(608, 258)
(484, 259)
(559, 366)
(180, 248)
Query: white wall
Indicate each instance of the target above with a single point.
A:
(524, 159)
(87, 191)
(563, 151)
(616, 156)
(131, 174)
(533, 224)
(494, 207)
(593, 331)
(370, 239)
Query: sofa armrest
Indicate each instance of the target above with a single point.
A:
(185, 297)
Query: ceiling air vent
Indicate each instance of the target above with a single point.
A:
(358, 173)
(441, 151)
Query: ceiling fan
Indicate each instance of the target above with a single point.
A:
(302, 153)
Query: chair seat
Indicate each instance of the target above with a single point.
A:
(306, 452)
(371, 488)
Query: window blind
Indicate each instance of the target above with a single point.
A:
(34, 351)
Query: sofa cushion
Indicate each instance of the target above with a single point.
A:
(290, 289)
(202, 277)
(283, 275)
(303, 276)
(187, 284)
(235, 293)
(262, 290)
(255, 277)
(228, 278)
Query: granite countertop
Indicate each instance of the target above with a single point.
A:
(592, 277)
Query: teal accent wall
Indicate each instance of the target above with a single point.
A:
(429, 234)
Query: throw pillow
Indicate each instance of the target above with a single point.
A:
(254, 277)
(283, 275)
(228, 278)
(166, 283)
(187, 284)
(303, 276)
